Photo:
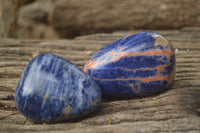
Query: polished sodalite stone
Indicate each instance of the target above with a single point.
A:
(53, 89)
(140, 64)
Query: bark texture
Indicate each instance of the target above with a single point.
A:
(75, 17)
(174, 110)
(34, 20)
(8, 17)
(70, 18)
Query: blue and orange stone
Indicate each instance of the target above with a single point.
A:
(137, 65)
(53, 89)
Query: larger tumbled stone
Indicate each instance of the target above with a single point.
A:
(140, 64)
(53, 89)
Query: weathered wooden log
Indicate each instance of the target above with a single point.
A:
(8, 17)
(34, 19)
(75, 17)
(174, 110)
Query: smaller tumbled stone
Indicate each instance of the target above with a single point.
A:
(140, 64)
(53, 89)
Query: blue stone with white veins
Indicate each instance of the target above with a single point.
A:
(53, 89)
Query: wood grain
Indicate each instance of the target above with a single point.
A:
(174, 110)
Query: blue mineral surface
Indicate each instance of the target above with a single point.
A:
(52, 89)
(140, 64)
